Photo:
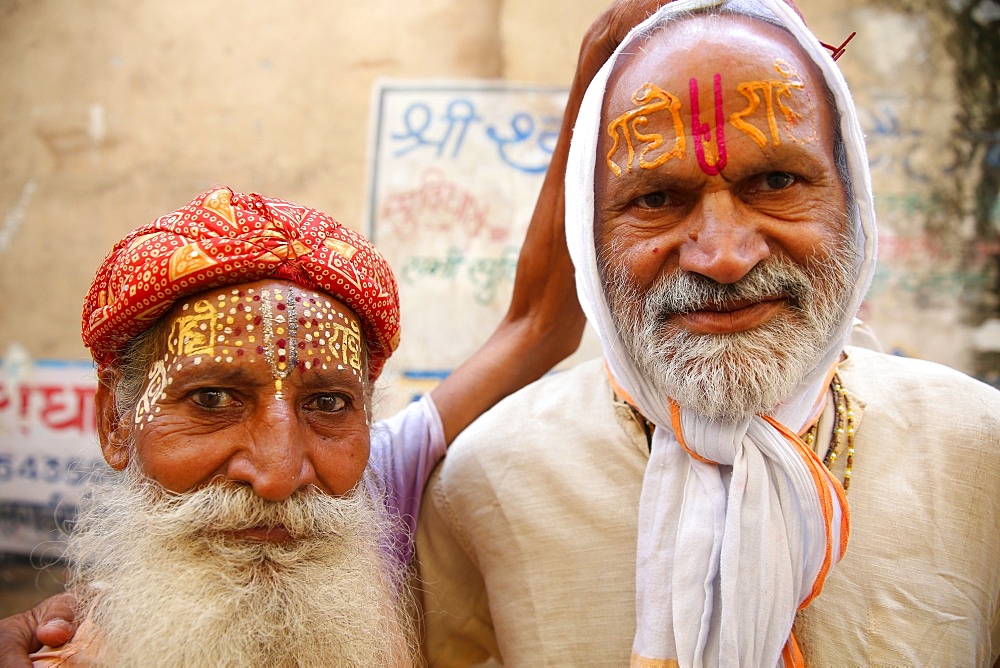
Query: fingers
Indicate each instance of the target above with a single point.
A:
(56, 620)
(17, 640)
(48, 623)
(608, 31)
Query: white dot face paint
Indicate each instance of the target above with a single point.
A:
(299, 330)
(157, 381)
(208, 400)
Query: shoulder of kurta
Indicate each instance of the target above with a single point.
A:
(923, 504)
(509, 509)
(551, 414)
(540, 447)
(921, 394)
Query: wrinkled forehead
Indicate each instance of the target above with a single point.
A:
(285, 324)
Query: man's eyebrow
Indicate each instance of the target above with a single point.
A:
(661, 178)
(331, 377)
(213, 372)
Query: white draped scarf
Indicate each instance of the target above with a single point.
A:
(726, 554)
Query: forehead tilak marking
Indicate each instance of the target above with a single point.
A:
(194, 332)
(650, 99)
(223, 326)
(156, 384)
(280, 353)
(701, 132)
(775, 92)
(329, 340)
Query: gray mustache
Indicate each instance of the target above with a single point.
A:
(684, 292)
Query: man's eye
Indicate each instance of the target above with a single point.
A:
(212, 398)
(777, 180)
(328, 403)
(652, 200)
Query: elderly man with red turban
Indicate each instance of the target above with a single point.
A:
(255, 514)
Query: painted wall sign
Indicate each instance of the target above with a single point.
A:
(48, 451)
(455, 168)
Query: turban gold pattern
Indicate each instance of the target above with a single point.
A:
(226, 238)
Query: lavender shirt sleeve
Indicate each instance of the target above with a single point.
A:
(404, 451)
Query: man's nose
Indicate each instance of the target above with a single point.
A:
(722, 244)
(273, 459)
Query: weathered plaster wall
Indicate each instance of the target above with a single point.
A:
(114, 111)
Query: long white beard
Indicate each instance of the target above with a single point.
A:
(732, 376)
(171, 589)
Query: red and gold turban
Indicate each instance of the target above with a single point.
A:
(225, 238)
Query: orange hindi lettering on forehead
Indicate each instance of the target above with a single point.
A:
(651, 99)
(766, 99)
(786, 95)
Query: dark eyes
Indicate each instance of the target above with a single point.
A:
(212, 398)
(653, 200)
(777, 180)
(219, 398)
(770, 181)
(327, 403)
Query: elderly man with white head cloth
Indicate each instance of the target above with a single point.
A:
(733, 484)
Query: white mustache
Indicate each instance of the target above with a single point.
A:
(684, 292)
(228, 506)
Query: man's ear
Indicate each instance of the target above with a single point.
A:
(113, 431)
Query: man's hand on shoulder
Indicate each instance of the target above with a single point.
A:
(607, 32)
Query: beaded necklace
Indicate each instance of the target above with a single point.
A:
(843, 426)
(843, 429)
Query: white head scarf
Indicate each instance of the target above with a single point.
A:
(722, 571)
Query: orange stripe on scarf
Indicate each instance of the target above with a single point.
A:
(820, 476)
(791, 655)
(675, 414)
(675, 421)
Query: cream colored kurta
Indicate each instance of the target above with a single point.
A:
(527, 539)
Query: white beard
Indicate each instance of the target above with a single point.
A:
(732, 376)
(172, 590)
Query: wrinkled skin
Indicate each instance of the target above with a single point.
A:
(782, 199)
(51, 622)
